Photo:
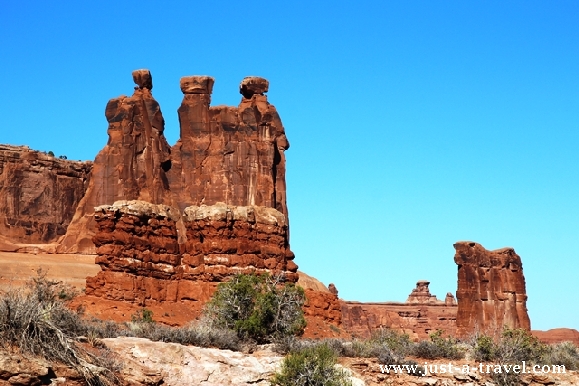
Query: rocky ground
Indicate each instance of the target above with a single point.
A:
(170, 364)
(156, 363)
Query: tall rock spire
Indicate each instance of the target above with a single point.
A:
(228, 154)
(131, 166)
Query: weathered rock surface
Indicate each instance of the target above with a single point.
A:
(309, 282)
(419, 316)
(491, 289)
(557, 335)
(369, 372)
(155, 363)
(323, 305)
(141, 260)
(38, 194)
(24, 370)
(229, 154)
(132, 166)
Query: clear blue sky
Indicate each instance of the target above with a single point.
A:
(413, 124)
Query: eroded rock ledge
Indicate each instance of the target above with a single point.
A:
(142, 260)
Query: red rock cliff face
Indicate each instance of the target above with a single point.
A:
(229, 154)
(491, 289)
(38, 194)
(225, 154)
(223, 239)
(141, 260)
(419, 316)
(131, 166)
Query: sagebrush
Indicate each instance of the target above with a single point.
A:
(311, 366)
(258, 307)
(35, 320)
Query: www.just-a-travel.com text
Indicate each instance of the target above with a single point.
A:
(483, 368)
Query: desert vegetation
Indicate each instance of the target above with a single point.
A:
(246, 311)
(36, 321)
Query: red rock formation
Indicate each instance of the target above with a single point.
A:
(491, 289)
(332, 288)
(557, 335)
(324, 306)
(229, 154)
(141, 260)
(223, 239)
(38, 194)
(131, 166)
(421, 294)
(419, 316)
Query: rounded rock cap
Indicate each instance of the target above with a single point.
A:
(251, 85)
(197, 84)
(143, 78)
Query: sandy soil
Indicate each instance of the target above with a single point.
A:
(17, 268)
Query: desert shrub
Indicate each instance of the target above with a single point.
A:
(143, 315)
(513, 347)
(565, 353)
(311, 366)
(98, 329)
(36, 321)
(484, 348)
(199, 334)
(516, 345)
(438, 347)
(382, 340)
(258, 308)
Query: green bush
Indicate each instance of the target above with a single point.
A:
(258, 308)
(516, 345)
(143, 315)
(484, 348)
(512, 347)
(382, 342)
(312, 366)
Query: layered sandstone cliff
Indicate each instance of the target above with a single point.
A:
(141, 260)
(38, 194)
(491, 289)
(419, 316)
(131, 166)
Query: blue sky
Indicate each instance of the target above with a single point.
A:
(413, 124)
